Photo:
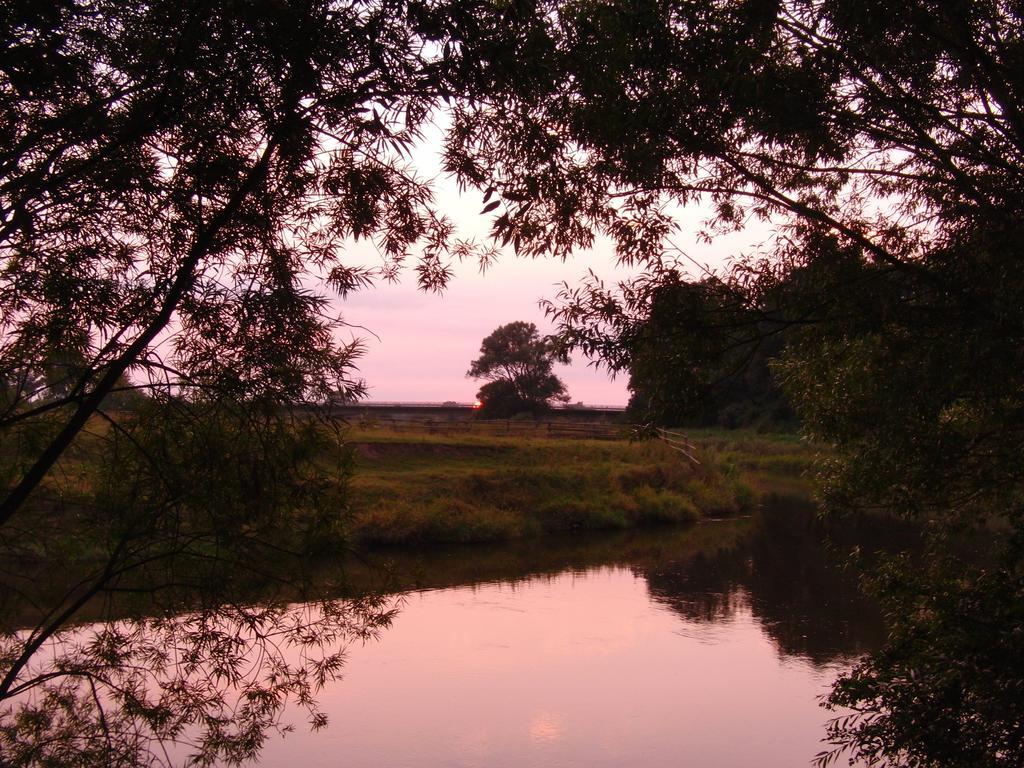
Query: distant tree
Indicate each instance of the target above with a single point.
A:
(518, 363)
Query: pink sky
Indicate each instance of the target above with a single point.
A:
(426, 341)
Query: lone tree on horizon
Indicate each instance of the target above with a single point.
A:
(517, 363)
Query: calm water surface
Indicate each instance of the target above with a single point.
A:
(702, 648)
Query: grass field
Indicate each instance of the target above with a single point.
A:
(477, 482)
(414, 488)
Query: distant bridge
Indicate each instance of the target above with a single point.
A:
(454, 411)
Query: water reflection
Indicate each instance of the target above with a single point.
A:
(779, 565)
(789, 578)
(205, 687)
(168, 666)
(703, 647)
(567, 670)
(706, 646)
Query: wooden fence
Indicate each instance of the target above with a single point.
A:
(679, 442)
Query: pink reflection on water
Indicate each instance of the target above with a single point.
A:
(546, 726)
(579, 669)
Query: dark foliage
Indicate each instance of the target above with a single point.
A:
(178, 184)
(884, 144)
(701, 357)
(171, 182)
(946, 689)
(175, 180)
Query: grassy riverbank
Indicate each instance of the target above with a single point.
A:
(420, 488)
(460, 483)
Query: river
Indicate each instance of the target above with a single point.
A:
(704, 647)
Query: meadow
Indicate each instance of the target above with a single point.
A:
(415, 487)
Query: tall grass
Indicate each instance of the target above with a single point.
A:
(411, 489)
